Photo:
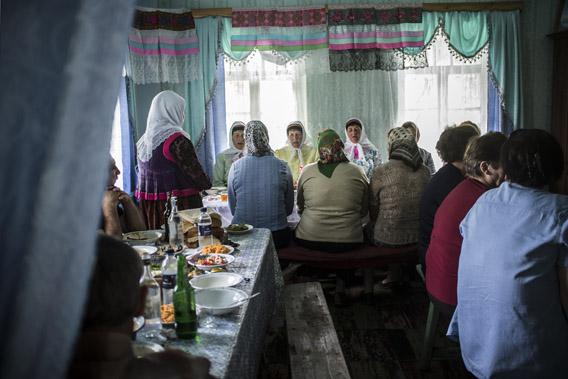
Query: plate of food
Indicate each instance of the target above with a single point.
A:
(216, 249)
(207, 262)
(143, 250)
(239, 228)
(142, 236)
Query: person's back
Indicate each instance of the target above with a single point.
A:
(513, 269)
(261, 192)
(332, 208)
(508, 298)
(398, 188)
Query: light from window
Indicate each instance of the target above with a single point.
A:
(116, 143)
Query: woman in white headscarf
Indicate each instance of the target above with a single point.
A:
(297, 153)
(260, 186)
(358, 148)
(232, 154)
(167, 162)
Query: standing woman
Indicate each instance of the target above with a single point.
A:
(358, 148)
(167, 161)
(261, 192)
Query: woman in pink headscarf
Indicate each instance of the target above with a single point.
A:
(358, 148)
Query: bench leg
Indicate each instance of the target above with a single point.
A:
(429, 336)
(368, 277)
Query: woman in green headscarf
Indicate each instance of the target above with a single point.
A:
(332, 199)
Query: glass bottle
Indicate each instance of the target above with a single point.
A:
(166, 219)
(204, 228)
(184, 303)
(176, 232)
(152, 305)
(169, 272)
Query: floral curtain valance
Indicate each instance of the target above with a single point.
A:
(373, 37)
(163, 47)
(291, 32)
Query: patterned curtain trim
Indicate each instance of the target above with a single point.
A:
(289, 32)
(374, 37)
(163, 48)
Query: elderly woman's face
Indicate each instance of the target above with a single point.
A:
(354, 133)
(239, 139)
(295, 138)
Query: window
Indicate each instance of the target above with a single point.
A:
(447, 92)
(263, 90)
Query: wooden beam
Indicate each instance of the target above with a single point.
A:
(207, 12)
(428, 7)
(474, 7)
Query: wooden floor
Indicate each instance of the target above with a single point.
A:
(380, 336)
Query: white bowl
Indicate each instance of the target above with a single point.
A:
(142, 237)
(193, 260)
(216, 280)
(141, 250)
(219, 301)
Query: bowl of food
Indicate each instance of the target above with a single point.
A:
(207, 262)
(239, 228)
(216, 249)
(220, 301)
(142, 237)
(216, 280)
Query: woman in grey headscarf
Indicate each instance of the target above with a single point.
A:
(261, 192)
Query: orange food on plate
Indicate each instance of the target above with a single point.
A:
(215, 249)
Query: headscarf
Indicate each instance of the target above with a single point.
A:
(330, 148)
(402, 146)
(166, 116)
(256, 139)
(296, 151)
(356, 151)
(232, 151)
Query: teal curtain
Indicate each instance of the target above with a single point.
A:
(505, 62)
(467, 32)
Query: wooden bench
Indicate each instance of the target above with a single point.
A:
(367, 257)
(313, 345)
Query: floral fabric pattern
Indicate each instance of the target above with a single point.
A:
(256, 139)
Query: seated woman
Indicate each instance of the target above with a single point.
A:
(483, 172)
(120, 214)
(513, 269)
(451, 148)
(358, 148)
(231, 155)
(396, 188)
(332, 199)
(260, 186)
(424, 154)
(167, 161)
(297, 153)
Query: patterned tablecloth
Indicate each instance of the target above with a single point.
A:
(234, 342)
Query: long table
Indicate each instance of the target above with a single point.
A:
(234, 342)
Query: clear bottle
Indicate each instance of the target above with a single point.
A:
(152, 305)
(184, 303)
(169, 271)
(167, 213)
(205, 232)
(175, 229)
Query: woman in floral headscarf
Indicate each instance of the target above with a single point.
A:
(261, 192)
(358, 148)
(332, 199)
(396, 189)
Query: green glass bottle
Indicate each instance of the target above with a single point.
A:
(184, 303)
